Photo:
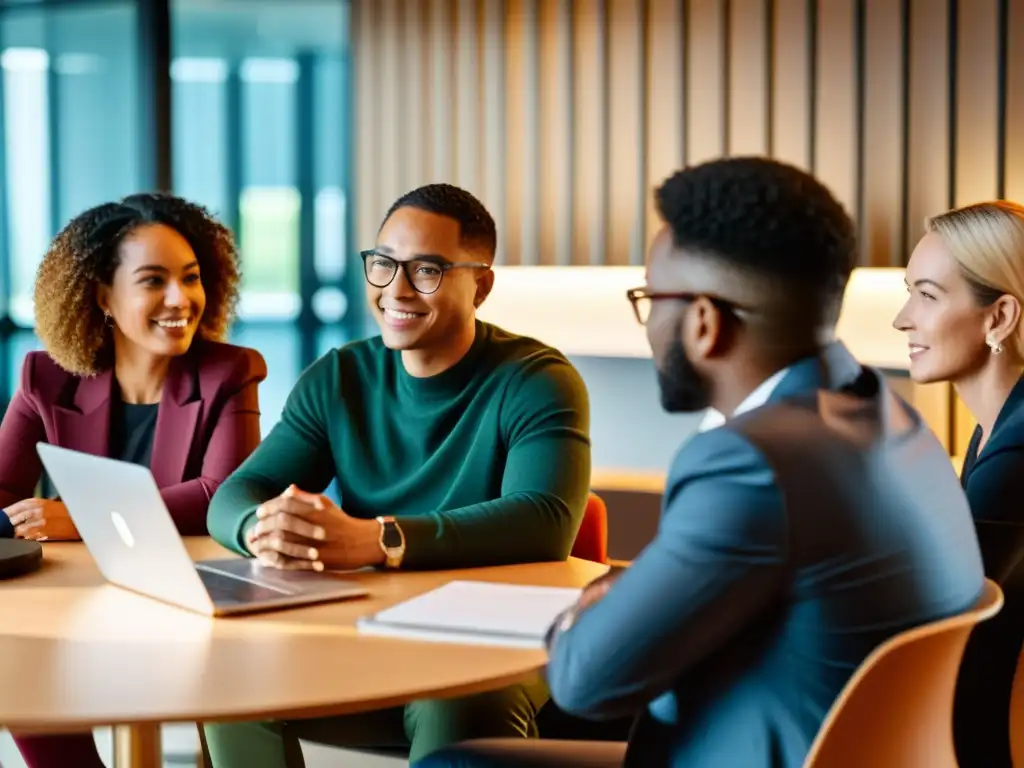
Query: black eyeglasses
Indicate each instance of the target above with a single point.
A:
(643, 299)
(423, 274)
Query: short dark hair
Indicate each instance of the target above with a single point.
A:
(766, 218)
(476, 225)
(85, 253)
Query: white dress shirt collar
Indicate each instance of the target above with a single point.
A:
(757, 398)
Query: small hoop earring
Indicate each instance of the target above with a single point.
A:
(995, 346)
(108, 320)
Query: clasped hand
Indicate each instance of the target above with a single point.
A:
(307, 531)
(596, 590)
(42, 520)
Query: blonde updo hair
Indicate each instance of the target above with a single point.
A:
(987, 242)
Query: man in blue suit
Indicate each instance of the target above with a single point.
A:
(813, 517)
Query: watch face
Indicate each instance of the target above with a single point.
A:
(392, 538)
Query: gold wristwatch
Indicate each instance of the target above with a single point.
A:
(392, 541)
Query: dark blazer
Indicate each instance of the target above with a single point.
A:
(207, 424)
(994, 482)
(793, 541)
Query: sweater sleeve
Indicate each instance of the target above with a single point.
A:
(22, 428)
(704, 580)
(545, 420)
(297, 450)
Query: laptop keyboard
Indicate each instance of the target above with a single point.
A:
(225, 589)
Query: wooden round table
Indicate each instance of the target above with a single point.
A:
(76, 653)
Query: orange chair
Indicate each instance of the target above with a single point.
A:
(592, 539)
(897, 709)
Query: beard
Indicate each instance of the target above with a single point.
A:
(683, 389)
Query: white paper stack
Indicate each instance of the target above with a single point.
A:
(475, 612)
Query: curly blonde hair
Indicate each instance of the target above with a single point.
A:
(86, 253)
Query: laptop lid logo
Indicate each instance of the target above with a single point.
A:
(121, 526)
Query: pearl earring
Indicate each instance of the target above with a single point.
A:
(994, 345)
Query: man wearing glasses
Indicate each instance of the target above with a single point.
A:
(814, 516)
(454, 444)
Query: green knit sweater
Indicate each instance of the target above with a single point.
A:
(486, 463)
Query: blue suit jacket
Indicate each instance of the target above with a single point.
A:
(793, 540)
(994, 482)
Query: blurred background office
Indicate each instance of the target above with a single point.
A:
(241, 106)
(299, 122)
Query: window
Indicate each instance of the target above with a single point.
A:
(259, 92)
(241, 123)
(70, 133)
(259, 105)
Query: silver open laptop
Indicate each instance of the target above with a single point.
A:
(123, 521)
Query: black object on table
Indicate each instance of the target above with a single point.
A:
(19, 556)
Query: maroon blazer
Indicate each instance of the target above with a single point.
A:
(207, 424)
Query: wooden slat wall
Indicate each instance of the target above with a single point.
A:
(880, 211)
(1013, 49)
(792, 72)
(563, 115)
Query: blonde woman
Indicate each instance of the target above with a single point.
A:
(963, 323)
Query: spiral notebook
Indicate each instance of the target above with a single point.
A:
(476, 613)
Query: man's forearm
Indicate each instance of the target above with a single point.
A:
(518, 528)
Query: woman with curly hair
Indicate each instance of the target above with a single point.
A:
(132, 302)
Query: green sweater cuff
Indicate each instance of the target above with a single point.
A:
(246, 523)
(418, 531)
